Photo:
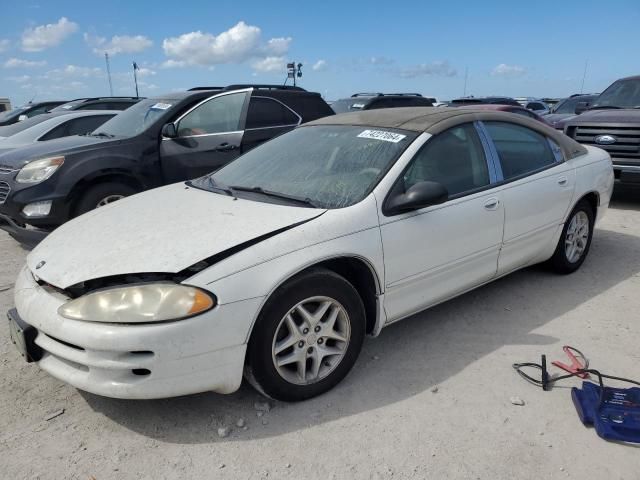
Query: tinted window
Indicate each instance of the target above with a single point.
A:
(84, 125)
(218, 115)
(37, 111)
(266, 112)
(455, 158)
(536, 106)
(521, 150)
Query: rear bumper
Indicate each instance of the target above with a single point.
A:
(203, 353)
(23, 234)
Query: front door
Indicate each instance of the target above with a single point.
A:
(209, 137)
(439, 251)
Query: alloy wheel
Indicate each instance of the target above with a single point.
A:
(311, 340)
(109, 199)
(577, 237)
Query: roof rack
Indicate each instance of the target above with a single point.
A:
(379, 94)
(196, 89)
(405, 94)
(263, 86)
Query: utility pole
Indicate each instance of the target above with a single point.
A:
(584, 75)
(135, 77)
(106, 59)
(466, 75)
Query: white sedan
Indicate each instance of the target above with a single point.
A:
(278, 265)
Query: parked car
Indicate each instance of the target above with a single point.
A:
(612, 122)
(483, 101)
(27, 111)
(9, 130)
(5, 104)
(158, 141)
(532, 103)
(508, 108)
(98, 103)
(566, 108)
(56, 126)
(279, 264)
(371, 101)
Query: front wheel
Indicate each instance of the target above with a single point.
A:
(574, 243)
(102, 194)
(307, 337)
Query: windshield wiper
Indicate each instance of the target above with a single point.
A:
(219, 186)
(269, 193)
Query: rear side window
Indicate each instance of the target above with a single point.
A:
(84, 125)
(521, 150)
(266, 112)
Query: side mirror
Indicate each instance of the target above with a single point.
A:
(169, 130)
(581, 107)
(420, 195)
(22, 118)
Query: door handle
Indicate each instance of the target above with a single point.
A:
(225, 147)
(562, 181)
(492, 204)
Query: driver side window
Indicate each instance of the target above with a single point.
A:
(218, 115)
(455, 158)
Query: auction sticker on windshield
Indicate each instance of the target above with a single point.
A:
(382, 135)
(161, 106)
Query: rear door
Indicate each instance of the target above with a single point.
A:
(267, 118)
(209, 137)
(538, 189)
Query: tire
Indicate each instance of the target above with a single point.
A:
(565, 260)
(313, 373)
(101, 194)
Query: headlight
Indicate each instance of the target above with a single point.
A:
(153, 302)
(39, 170)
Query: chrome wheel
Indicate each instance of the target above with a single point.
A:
(311, 340)
(577, 237)
(109, 199)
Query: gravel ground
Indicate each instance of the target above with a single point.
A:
(429, 398)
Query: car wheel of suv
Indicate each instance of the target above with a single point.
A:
(575, 240)
(102, 194)
(307, 337)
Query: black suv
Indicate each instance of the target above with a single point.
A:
(27, 111)
(370, 101)
(612, 122)
(484, 101)
(171, 138)
(98, 103)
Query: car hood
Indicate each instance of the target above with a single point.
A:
(17, 157)
(165, 230)
(607, 116)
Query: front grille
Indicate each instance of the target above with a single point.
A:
(626, 147)
(4, 191)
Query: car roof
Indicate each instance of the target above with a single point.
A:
(437, 119)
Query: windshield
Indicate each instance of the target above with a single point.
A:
(12, 113)
(349, 105)
(329, 166)
(136, 119)
(568, 105)
(621, 94)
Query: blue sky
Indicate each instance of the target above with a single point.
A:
(55, 49)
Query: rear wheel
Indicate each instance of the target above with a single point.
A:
(575, 241)
(307, 337)
(101, 195)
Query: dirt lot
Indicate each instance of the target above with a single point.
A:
(429, 398)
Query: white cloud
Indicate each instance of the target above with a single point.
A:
(19, 79)
(73, 71)
(45, 36)
(20, 63)
(146, 72)
(277, 46)
(440, 69)
(118, 44)
(504, 70)
(320, 65)
(270, 64)
(4, 44)
(381, 60)
(240, 43)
